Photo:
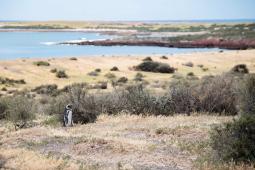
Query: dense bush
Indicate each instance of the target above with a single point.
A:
(3, 108)
(151, 66)
(61, 74)
(50, 89)
(240, 68)
(247, 95)
(234, 141)
(20, 111)
(210, 94)
(42, 63)
(217, 94)
(114, 69)
(85, 108)
(182, 98)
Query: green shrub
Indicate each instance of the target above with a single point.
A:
(20, 111)
(114, 69)
(41, 63)
(61, 74)
(151, 66)
(247, 95)
(234, 141)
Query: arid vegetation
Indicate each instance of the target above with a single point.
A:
(196, 119)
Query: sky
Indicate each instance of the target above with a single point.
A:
(126, 9)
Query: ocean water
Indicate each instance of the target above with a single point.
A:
(15, 45)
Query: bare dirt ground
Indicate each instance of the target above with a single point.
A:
(121, 142)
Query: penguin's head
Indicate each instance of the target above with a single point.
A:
(69, 106)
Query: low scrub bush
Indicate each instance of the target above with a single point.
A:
(41, 63)
(61, 74)
(110, 76)
(73, 58)
(139, 77)
(240, 68)
(151, 66)
(147, 59)
(164, 57)
(98, 70)
(50, 89)
(188, 64)
(93, 73)
(122, 80)
(205, 69)
(9, 81)
(234, 141)
(99, 85)
(54, 70)
(114, 69)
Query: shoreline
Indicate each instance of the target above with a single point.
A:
(203, 43)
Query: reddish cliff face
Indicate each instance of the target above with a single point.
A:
(203, 43)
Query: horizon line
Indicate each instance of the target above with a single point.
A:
(159, 20)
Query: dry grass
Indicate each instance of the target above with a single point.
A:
(77, 71)
(120, 142)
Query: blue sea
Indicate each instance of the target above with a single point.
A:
(15, 45)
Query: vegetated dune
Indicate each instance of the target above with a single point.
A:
(113, 142)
